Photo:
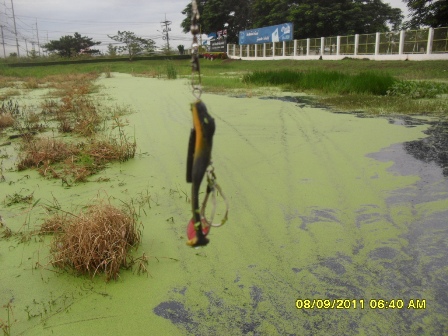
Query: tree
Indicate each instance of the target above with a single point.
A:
(132, 43)
(233, 15)
(318, 18)
(311, 18)
(430, 13)
(111, 50)
(167, 50)
(33, 54)
(181, 49)
(68, 46)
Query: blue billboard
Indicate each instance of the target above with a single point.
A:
(278, 33)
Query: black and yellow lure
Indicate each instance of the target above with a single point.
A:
(200, 151)
(198, 159)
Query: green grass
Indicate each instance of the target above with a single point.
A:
(324, 81)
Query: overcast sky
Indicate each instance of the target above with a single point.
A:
(97, 19)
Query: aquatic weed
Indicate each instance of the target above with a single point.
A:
(375, 83)
(171, 71)
(417, 89)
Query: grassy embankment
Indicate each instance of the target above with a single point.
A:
(371, 86)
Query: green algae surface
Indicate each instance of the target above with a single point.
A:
(323, 207)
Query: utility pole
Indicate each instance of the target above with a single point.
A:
(3, 42)
(38, 43)
(15, 28)
(26, 46)
(166, 30)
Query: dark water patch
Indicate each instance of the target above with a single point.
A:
(334, 265)
(358, 114)
(177, 314)
(237, 279)
(289, 215)
(214, 300)
(181, 291)
(319, 215)
(367, 218)
(300, 101)
(359, 245)
(418, 268)
(256, 294)
(406, 121)
(250, 327)
(384, 253)
(434, 148)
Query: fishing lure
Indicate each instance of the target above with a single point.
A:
(198, 159)
(200, 151)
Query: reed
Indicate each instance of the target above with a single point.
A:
(375, 83)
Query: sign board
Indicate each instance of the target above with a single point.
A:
(218, 45)
(278, 33)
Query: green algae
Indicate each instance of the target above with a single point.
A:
(313, 216)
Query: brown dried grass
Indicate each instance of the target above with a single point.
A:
(37, 152)
(6, 120)
(31, 83)
(69, 84)
(54, 224)
(96, 240)
(9, 93)
(75, 113)
(73, 162)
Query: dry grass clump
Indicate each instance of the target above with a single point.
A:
(7, 112)
(73, 162)
(6, 81)
(30, 83)
(37, 152)
(6, 120)
(97, 240)
(9, 93)
(54, 224)
(74, 113)
(68, 84)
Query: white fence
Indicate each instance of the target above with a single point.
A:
(424, 44)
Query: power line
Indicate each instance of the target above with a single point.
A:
(86, 21)
(166, 30)
(15, 28)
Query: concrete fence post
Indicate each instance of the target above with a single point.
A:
(308, 44)
(264, 49)
(377, 44)
(273, 49)
(322, 45)
(401, 45)
(295, 48)
(430, 40)
(256, 49)
(355, 53)
(284, 48)
(247, 50)
(241, 51)
(338, 45)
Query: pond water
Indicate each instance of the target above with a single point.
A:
(323, 206)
